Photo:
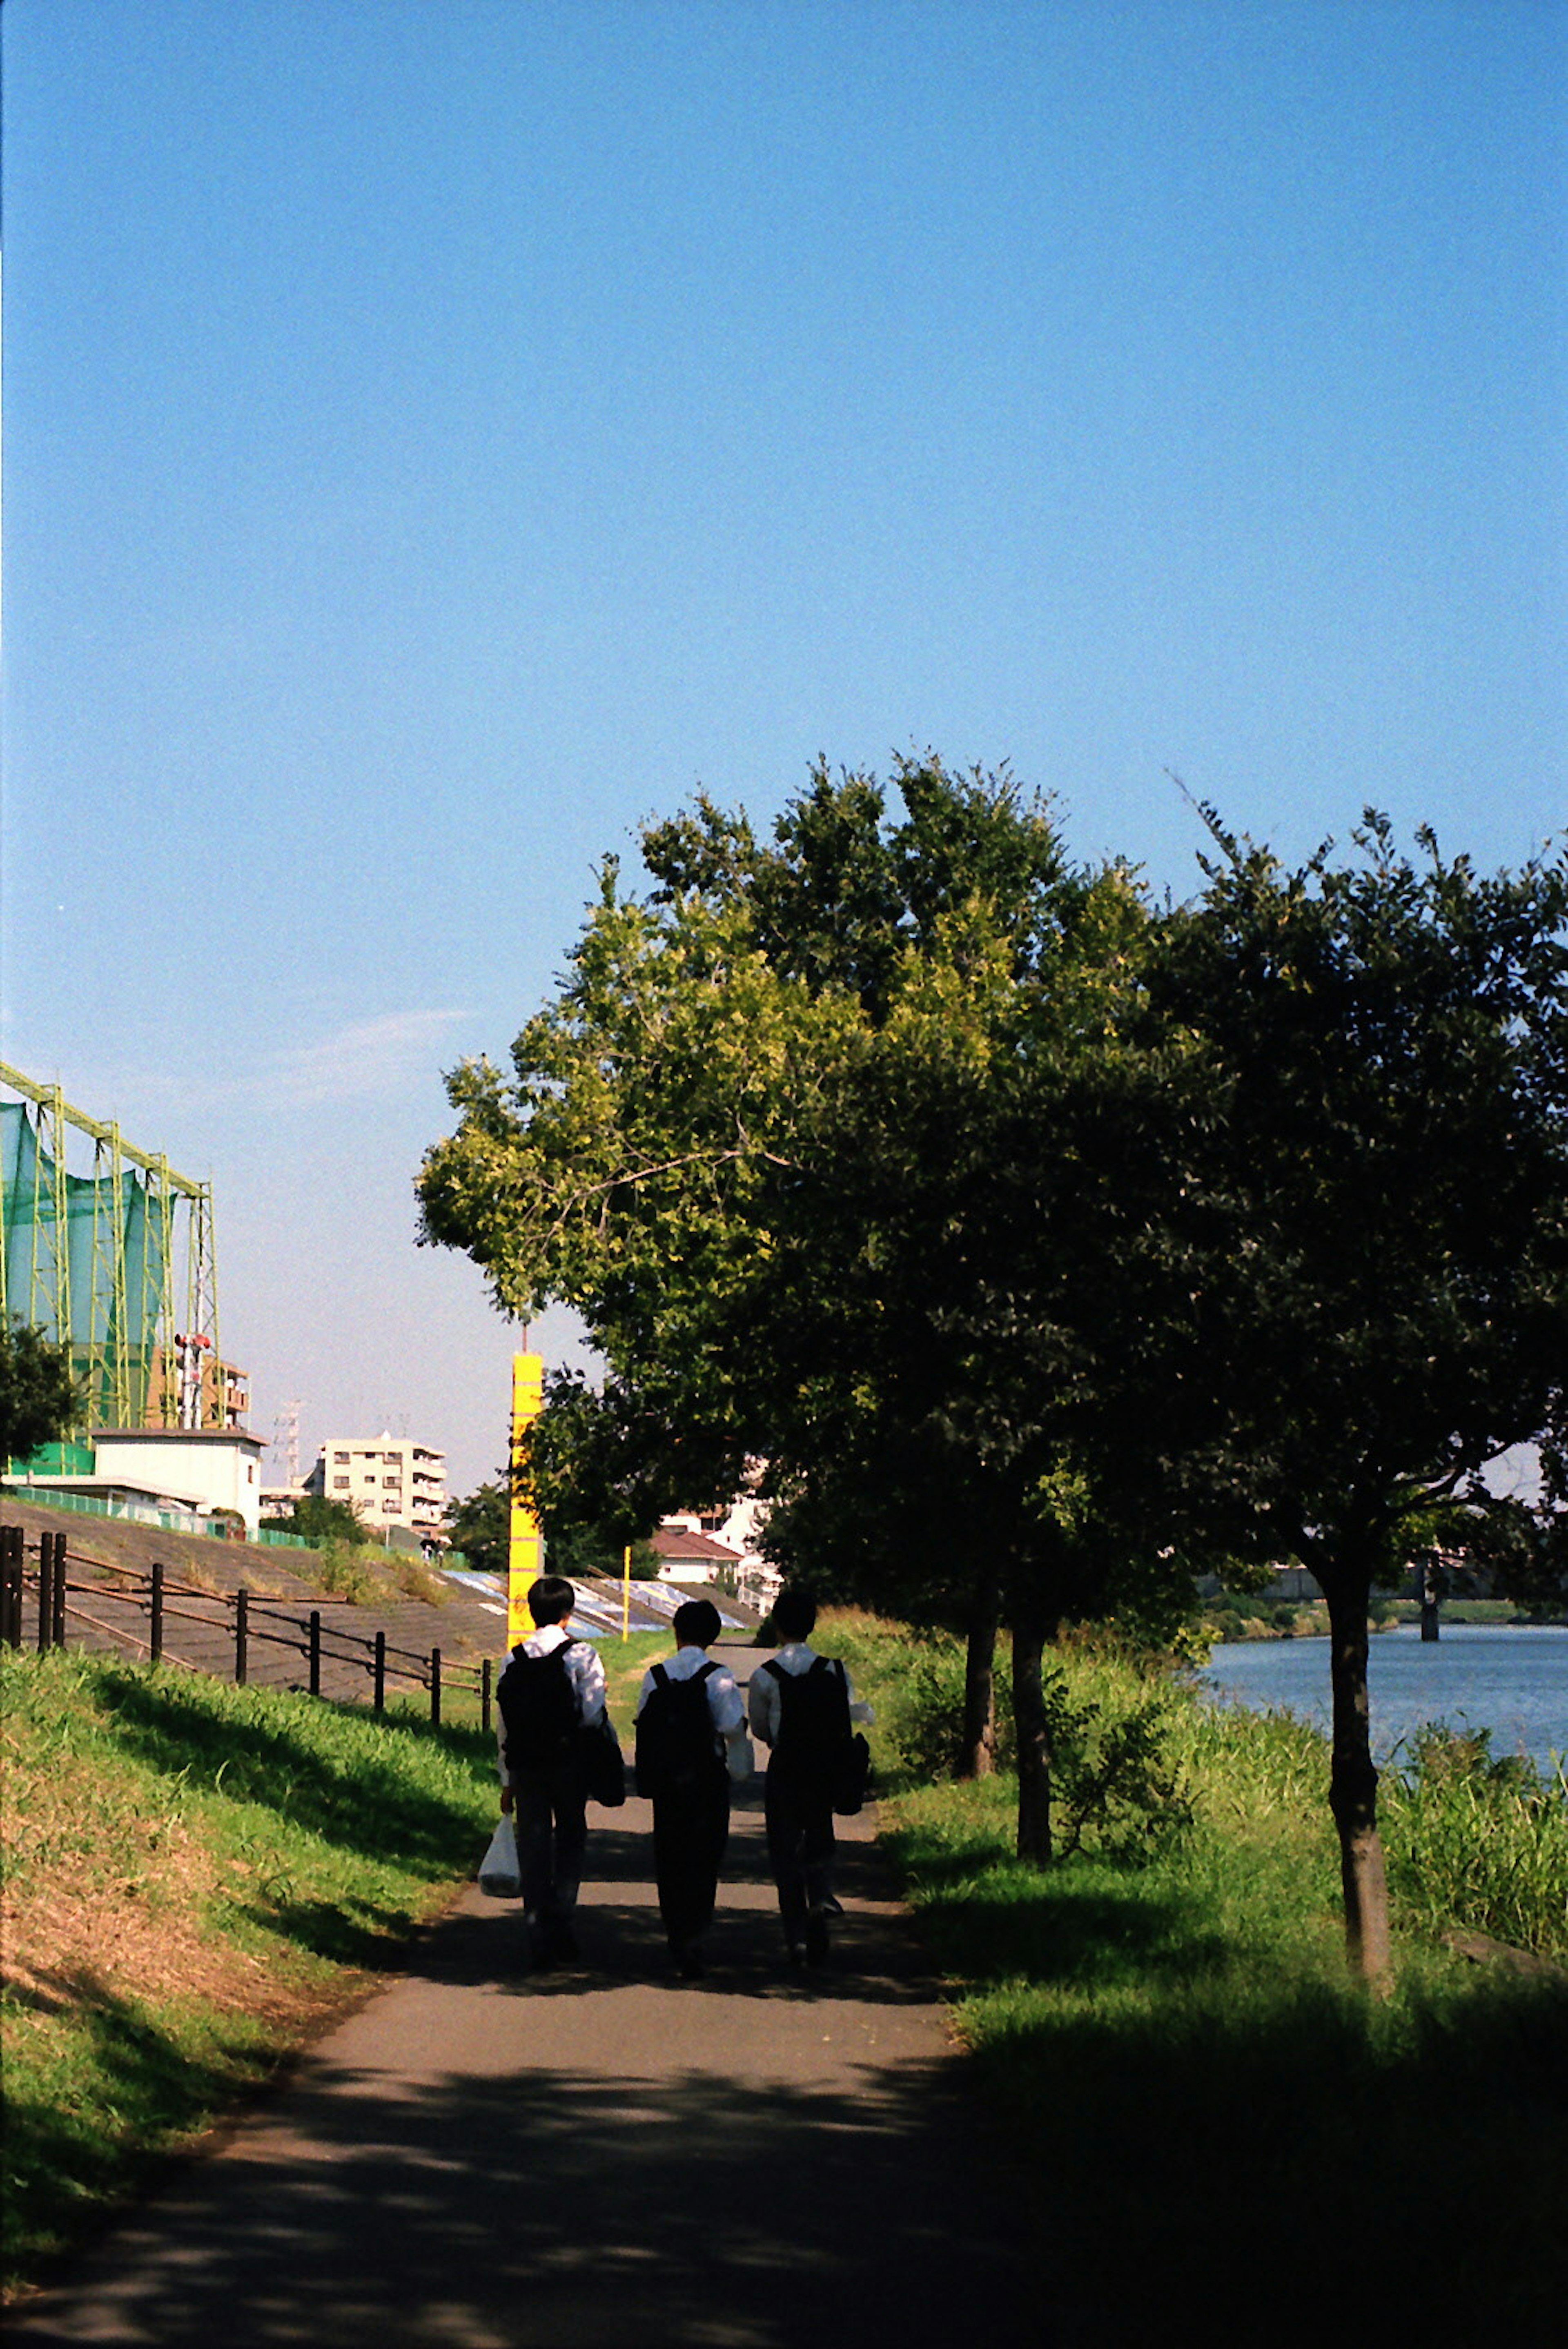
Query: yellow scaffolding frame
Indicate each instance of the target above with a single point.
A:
(119, 1389)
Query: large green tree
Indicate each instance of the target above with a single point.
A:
(763, 1142)
(1345, 1288)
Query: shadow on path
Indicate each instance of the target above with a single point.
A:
(486, 2157)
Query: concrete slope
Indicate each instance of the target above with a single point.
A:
(490, 2159)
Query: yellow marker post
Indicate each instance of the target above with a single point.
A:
(626, 1597)
(525, 1549)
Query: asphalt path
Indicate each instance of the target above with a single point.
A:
(486, 2158)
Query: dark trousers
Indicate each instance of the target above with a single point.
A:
(800, 1847)
(549, 1814)
(691, 1828)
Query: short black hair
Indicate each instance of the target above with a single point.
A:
(551, 1599)
(794, 1612)
(697, 1623)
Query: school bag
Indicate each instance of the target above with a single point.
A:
(816, 1747)
(675, 1747)
(538, 1706)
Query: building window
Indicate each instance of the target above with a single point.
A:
(340, 1483)
(341, 1459)
(388, 1508)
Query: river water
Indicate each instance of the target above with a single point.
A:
(1510, 1680)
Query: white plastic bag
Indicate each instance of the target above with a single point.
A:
(499, 1874)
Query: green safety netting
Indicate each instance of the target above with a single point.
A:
(113, 1250)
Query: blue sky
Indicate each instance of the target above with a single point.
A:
(439, 436)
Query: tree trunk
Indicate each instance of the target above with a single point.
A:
(977, 1756)
(1353, 1782)
(1031, 1730)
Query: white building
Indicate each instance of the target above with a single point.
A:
(733, 1530)
(385, 1479)
(199, 1469)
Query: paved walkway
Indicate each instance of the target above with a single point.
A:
(485, 2160)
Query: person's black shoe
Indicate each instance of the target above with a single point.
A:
(816, 1941)
(689, 1963)
(797, 1957)
(559, 1945)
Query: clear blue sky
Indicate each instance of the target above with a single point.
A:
(438, 436)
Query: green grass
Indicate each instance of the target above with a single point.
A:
(1203, 2116)
(195, 1874)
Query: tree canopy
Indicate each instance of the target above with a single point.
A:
(480, 1526)
(1353, 1293)
(317, 1518)
(39, 1398)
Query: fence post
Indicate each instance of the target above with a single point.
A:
(12, 1544)
(380, 1680)
(485, 1694)
(435, 1687)
(242, 1628)
(315, 1651)
(59, 1635)
(45, 1591)
(155, 1616)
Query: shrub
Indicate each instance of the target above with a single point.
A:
(1478, 1838)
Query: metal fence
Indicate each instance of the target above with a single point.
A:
(244, 1621)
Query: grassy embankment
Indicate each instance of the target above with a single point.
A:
(1212, 2129)
(196, 1878)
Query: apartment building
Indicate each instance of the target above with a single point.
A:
(386, 1479)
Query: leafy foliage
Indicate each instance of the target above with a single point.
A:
(318, 1520)
(1355, 1293)
(38, 1395)
(480, 1526)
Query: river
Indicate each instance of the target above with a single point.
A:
(1506, 1677)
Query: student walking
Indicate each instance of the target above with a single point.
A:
(690, 1741)
(801, 1705)
(552, 1688)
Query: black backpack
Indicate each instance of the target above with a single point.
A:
(675, 1747)
(538, 1709)
(816, 1748)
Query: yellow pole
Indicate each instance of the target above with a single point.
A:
(626, 1596)
(523, 1549)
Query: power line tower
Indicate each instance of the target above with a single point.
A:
(285, 1441)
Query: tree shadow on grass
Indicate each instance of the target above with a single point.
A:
(359, 1801)
(371, 1935)
(1301, 2161)
(67, 2156)
(1060, 1930)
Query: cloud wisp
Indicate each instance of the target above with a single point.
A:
(367, 1058)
